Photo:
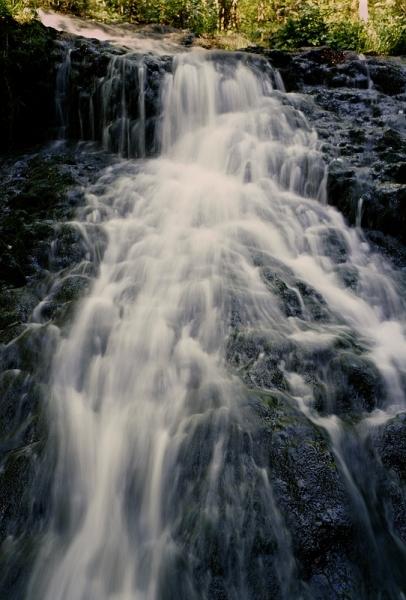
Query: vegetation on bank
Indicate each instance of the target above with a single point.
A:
(26, 78)
(284, 24)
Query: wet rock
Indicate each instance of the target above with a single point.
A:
(24, 483)
(314, 302)
(20, 409)
(349, 276)
(393, 250)
(308, 488)
(325, 55)
(390, 140)
(397, 172)
(356, 385)
(387, 77)
(32, 351)
(63, 297)
(386, 211)
(334, 245)
(391, 444)
(257, 359)
(291, 303)
(343, 189)
(188, 40)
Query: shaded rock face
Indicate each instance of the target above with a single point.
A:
(57, 86)
(28, 59)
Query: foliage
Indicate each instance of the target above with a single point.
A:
(308, 28)
(347, 35)
(388, 35)
(286, 24)
(4, 11)
(338, 25)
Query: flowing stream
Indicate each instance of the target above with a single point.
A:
(225, 234)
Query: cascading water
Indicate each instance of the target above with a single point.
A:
(159, 492)
(61, 96)
(112, 109)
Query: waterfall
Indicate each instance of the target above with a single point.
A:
(158, 490)
(62, 93)
(112, 108)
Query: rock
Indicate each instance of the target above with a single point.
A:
(325, 55)
(386, 211)
(308, 488)
(388, 441)
(188, 40)
(397, 172)
(97, 77)
(27, 83)
(355, 385)
(391, 444)
(278, 58)
(387, 77)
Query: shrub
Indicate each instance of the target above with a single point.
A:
(347, 35)
(388, 34)
(4, 10)
(308, 28)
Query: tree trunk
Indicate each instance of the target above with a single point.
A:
(363, 10)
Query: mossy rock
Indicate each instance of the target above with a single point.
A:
(355, 385)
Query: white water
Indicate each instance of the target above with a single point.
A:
(124, 36)
(143, 371)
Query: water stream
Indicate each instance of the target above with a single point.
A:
(158, 492)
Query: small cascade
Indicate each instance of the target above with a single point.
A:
(237, 327)
(62, 94)
(122, 115)
(141, 110)
(358, 218)
(370, 83)
(114, 108)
